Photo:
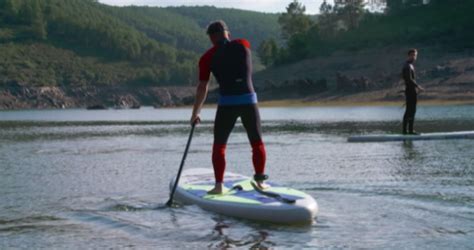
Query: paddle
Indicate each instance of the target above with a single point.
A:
(235, 188)
(272, 195)
(170, 201)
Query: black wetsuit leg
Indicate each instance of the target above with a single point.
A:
(409, 117)
(251, 120)
(250, 117)
(226, 117)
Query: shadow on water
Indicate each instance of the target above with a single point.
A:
(30, 223)
(131, 219)
(130, 208)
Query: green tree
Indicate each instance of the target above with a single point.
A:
(38, 22)
(294, 21)
(10, 9)
(305, 45)
(350, 12)
(327, 20)
(325, 8)
(31, 13)
(395, 6)
(268, 52)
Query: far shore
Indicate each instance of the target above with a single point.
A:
(303, 103)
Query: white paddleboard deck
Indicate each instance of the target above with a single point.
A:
(400, 137)
(246, 203)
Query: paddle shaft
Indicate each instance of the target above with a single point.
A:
(170, 201)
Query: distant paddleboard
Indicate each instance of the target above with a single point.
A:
(401, 137)
(277, 204)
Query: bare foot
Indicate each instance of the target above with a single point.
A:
(262, 185)
(217, 189)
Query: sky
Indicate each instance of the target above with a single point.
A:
(312, 6)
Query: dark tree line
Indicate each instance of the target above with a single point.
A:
(349, 25)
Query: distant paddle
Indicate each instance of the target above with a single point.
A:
(170, 201)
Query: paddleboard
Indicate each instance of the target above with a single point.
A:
(277, 204)
(423, 136)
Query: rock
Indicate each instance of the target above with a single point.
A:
(96, 107)
(346, 83)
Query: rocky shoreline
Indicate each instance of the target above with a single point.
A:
(15, 96)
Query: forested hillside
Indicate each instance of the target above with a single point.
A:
(83, 42)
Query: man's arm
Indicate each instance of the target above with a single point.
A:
(416, 85)
(408, 77)
(201, 94)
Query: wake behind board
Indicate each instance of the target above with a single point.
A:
(400, 137)
(246, 203)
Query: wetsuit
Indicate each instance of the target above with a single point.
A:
(231, 64)
(410, 95)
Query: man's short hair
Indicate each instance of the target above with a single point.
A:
(412, 51)
(217, 27)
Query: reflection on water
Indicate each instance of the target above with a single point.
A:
(410, 152)
(100, 180)
(223, 239)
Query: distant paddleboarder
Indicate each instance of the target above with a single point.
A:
(411, 92)
(230, 62)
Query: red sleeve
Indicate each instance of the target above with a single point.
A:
(243, 42)
(205, 65)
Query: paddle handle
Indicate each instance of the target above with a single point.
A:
(170, 201)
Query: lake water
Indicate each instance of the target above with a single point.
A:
(99, 179)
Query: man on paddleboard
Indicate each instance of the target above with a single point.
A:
(230, 62)
(411, 92)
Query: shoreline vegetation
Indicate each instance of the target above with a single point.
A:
(83, 54)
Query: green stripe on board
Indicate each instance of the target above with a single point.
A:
(226, 197)
(197, 187)
(231, 198)
(279, 190)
